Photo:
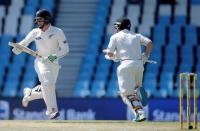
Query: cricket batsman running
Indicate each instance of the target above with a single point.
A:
(125, 46)
(51, 45)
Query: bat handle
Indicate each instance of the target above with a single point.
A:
(38, 55)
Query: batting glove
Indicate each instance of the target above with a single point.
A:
(52, 58)
(144, 58)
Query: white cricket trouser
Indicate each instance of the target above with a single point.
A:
(130, 75)
(47, 73)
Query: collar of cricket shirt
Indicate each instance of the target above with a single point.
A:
(48, 29)
(125, 30)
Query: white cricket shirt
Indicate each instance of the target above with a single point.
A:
(52, 41)
(127, 45)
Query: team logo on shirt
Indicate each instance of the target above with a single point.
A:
(50, 35)
(38, 38)
(65, 42)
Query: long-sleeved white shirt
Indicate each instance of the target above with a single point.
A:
(127, 45)
(52, 41)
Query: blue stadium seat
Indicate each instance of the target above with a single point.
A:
(150, 83)
(171, 54)
(90, 58)
(107, 39)
(5, 38)
(98, 26)
(5, 58)
(187, 55)
(175, 34)
(98, 89)
(105, 3)
(191, 39)
(114, 75)
(180, 20)
(81, 89)
(156, 53)
(14, 72)
(20, 59)
(30, 10)
(87, 67)
(88, 63)
(2, 71)
(10, 88)
(190, 35)
(20, 37)
(174, 29)
(185, 68)
(103, 67)
(159, 35)
(150, 87)
(95, 38)
(93, 47)
(190, 29)
(152, 68)
(33, 3)
(166, 83)
(86, 75)
(47, 4)
(170, 59)
(195, 2)
(164, 20)
(175, 39)
(101, 75)
(113, 89)
(169, 67)
(198, 52)
(29, 82)
(158, 29)
(4, 48)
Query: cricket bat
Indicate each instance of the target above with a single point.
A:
(148, 61)
(24, 49)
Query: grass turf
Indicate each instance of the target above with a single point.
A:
(38, 125)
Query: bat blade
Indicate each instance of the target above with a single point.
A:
(24, 49)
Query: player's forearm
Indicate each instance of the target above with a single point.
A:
(149, 48)
(25, 42)
(28, 39)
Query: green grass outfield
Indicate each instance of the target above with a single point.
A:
(38, 125)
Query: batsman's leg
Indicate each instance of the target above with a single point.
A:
(31, 94)
(49, 96)
(134, 103)
(142, 91)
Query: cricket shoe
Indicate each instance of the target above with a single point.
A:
(54, 115)
(25, 101)
(140, 117)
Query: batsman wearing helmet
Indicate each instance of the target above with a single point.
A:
(52, 45)
(125, 46)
